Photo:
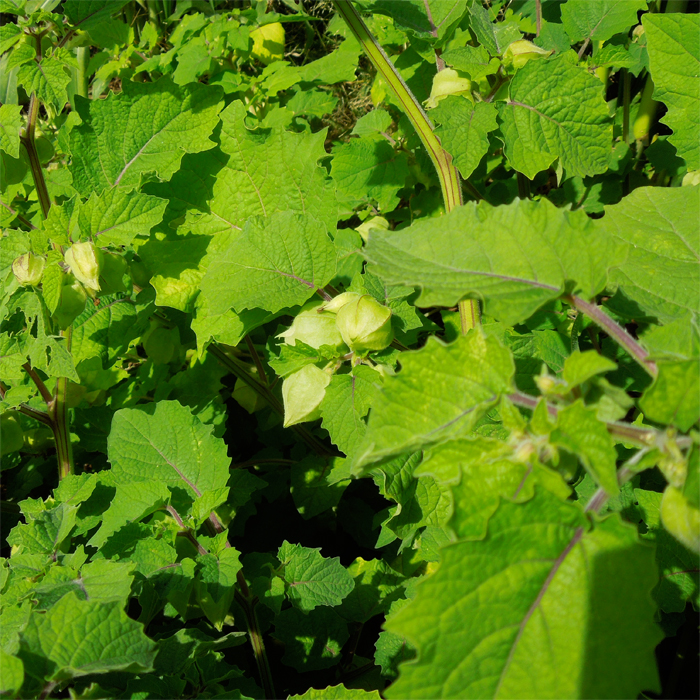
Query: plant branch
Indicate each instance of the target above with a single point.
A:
(615, 331)
(28, 411)
(45, 393)
(19, 217)
(28, 141)
(625, 432)
(60, 418)
(538, 16)
(256, 360)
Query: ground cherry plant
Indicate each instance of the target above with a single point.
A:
(349, 349)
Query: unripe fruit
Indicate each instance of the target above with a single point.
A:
(680, 518)
(111, 273)
(29, 269)
(302, 393)
(139, 273)
(520, 52)
(313, 327)
(246, 397)
(365, 325)
(85, 262)
(337, 303)
(11, 435)
(268, 43)
(448, 82)
(376, 222)
(72, 302)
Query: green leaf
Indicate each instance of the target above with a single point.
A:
(464, 130)
(472, 60)
(312, 641)
(367, 170)
(426, 19)
(581, 433)
(495, 37)
(312, 580)
(556, 110)
(679, 568)
(391, 651)
(90, 13)
(674, 62)
(516, 257)
(13, 674)
(216, 579)
(10, 125)
(48, 78)
(537, 559)
(275, 262)
(346, 403)
(674, 397)
(377, 585)
(579, 367)
(661, 271)
(45, 531)
(440, 393)
(108, 151)
(78, 638)
(313, 484)
(337, 692)
(168, 444)
(132, 503)
(599, 20)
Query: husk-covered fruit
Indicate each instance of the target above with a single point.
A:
(85, 261)
(365, 325)
(302, 393)
(29, 269)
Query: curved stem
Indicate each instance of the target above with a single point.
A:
(615, 331)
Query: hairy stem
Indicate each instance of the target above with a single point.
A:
(615, 331)
(29, 143)
(58, 410)
(83, 55)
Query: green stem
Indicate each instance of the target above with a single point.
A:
(447, 173)
(523, 186)
(83, 56)
(646, 112)
(60, 418)
(29, 143)
(626, 91)
(247, 603)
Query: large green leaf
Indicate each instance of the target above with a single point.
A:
(275, 262)
(556, 110)
(144, 130)
(464, 130)
(674, 397)
(80, 637)
(674, 62)
(660, 273)
(215, 586)
(516, 257)
(538, 559)
(585, 20)
(168, 444)
(440, 393)
(427, 19)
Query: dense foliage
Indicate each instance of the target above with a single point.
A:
(344, 357)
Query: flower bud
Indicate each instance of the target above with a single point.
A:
(85, 261)
(365, 325)
(71, 304)
(448, 82)
(520, 52)
(302, 393)
(376, 222)
(680, 518)
(313, 327)
(28, 269)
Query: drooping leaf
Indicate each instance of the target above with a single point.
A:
(312, 580)
(674, 63)
(216, 579)
(556, 110)
(515, 257)
(464, 130)
(440, 393)
(536, 558)
(109, 152)
(674, 397)
(276, 262)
